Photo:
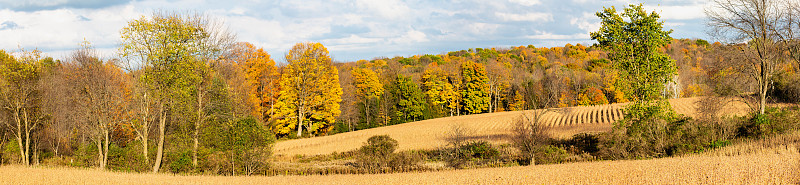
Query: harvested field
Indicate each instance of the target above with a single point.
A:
(493, 127)
(779, 165)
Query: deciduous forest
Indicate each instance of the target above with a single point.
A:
(184, 95)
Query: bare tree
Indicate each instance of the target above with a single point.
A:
(757, 24)
(100, 97)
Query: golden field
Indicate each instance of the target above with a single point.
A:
(493, 127)
(777, 165)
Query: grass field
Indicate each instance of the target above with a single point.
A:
(777, 165)
(493, 127)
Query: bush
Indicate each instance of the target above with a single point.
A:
(377, 156)
(530, 134)
(180, 162)
(550, 154)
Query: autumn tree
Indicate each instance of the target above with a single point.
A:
(310, 92)
(757, 23)
(368, 88)
(20, 98)
(166, 51)
(437, 87)
(474, 92)
(101, 91)
(261, 75)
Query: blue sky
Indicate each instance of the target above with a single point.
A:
(350, 29)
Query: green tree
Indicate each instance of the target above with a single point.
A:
(310, 92)
(166, 51)
(635, 40)
(475, 89)
(410, 100)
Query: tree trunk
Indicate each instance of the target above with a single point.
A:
(197, 124)
(19, 140)
(27, 139)
(366, 110)
(145, 135)
(99, 143)
(300, 121)
(105, 149)
(162, 124)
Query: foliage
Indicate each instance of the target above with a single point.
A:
(310, 92)
(410, 104)
(377, 155)
(635, 39)
(475, 94)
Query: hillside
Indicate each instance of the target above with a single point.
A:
(494, 127)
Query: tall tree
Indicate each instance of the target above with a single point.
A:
(166, 50)
(411, 102)
(438, 88)
(368, 88)
(635, 39)
(262, 76)
(20, 97)
(310, 92)
(101, 97)
(757, 24)
(475, 89)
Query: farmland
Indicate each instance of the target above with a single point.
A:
(776, 165)
(494, 127)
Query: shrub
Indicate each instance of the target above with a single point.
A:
(377, 155)
(529, 134)
(180, 162)
(549, 154)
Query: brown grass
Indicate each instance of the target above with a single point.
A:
(494, 127)
(778, 165)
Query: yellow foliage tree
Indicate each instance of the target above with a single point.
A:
(310, 92)
(368, 87)
(263, 77)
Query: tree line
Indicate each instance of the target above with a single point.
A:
(184, 94)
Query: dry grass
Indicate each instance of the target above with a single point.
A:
(494, 127)
(778, 165)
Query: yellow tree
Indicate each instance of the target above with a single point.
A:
(20, 98)
(437, 87)
(263, 78)
(368, 87)
(310, 92)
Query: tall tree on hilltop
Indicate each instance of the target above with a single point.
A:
(310, 92)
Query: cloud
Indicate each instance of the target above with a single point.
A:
(551, 36)
(526, 2)
(36, 5)
(351, 29)
(687, 12)
(532, 17)
(8, 25)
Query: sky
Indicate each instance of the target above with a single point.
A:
(350, 29)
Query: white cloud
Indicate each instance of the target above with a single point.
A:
(391, 9)
(588, 22)
(678, 12)
(412, 36)
(526, 2)
(551, 36)
(532, 17)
